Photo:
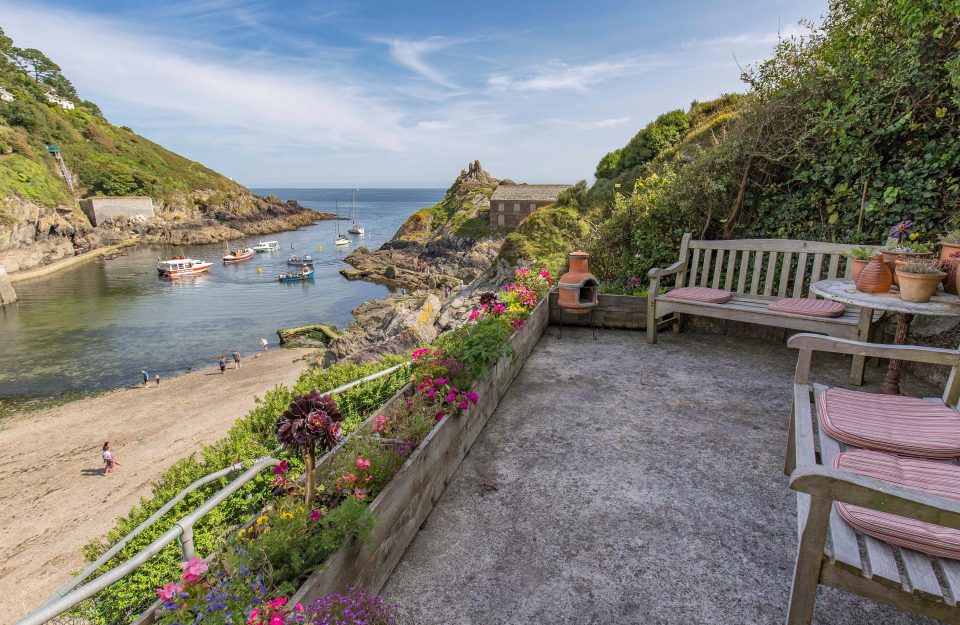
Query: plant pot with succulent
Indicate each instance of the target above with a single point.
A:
(903, 247)
(858, 257)
(950, 255)
(919, 279)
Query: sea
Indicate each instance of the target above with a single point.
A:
(95, 326)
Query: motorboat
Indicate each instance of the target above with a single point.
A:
(299, 276)
(266, 246)
(300, 261)
(237, 256)
(182, 266)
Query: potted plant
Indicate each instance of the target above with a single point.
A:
(950, 255)
(311, 423)
(902, 247)
(919, 279)
(858, 258)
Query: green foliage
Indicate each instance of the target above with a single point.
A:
(351, 518)
(481, 344)
(609, 166)
(661, 133)
(30, 180)
(547, 236)
(860, 253)
(251, 437)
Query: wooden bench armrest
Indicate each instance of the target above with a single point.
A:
(676, 267)
(912, 353)
(867, 492)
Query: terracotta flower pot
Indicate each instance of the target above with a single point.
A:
(890, 258)
(856, 266)
(875, 277)
(919, 287)
(950, 264)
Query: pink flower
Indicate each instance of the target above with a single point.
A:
(451, 396)
(473, 397)
(281, 468)
(521, 272)
(193, 569)
(359, 494)
(363, 463)
(474, 314)
(279, 602)
(169, 591)
(298, 607)
(518, 324)
(420, 353)
(463, 404)
(431, 393)
(314, 515)
(253, 615)
(276, 619)
(498, 309)
(441, 381)
(544, 273)
(438, 416)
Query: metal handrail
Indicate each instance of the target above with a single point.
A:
(182, 529)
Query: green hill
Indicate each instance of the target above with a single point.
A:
(41, 109)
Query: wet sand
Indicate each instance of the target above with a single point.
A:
(55, 497)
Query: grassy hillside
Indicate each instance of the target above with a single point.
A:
(103, 158)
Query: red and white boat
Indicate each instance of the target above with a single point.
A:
(181, 266)
(240, 255)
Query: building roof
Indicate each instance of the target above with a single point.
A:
(528, 192)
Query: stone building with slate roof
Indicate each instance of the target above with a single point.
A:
(511, 203)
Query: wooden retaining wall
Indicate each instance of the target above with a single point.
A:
(403, 506)
(625, 312)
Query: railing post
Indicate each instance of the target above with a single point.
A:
(186, 541)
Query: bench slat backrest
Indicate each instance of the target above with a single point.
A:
(762, 268)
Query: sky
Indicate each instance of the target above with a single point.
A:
(364, 93)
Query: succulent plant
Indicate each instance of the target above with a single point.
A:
(952, 237)
(311, 422)
(923, 265)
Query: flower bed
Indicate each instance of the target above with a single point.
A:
(349, 522)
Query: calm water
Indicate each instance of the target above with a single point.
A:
(96, 325)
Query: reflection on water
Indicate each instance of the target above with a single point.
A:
(96, 325)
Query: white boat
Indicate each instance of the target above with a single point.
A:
(180, 266)
(354, 228)
(237, 256)
(341, 238)
(266, 246)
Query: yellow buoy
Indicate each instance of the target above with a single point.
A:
(259, 269)
(319, 248)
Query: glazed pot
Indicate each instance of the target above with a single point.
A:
(856, 266)
(919, 287)
(950, 255)
(875, 277)
(891, 259)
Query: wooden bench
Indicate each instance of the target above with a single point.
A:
(757, 272)
(830, 551)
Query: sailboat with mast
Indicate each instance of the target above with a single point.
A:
(341, 238)
(354, 228)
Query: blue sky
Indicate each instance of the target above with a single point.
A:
(361, 93)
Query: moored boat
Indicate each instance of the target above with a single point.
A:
(354, 228)
(300, 261)
(236, 256)
(304, 274)
(341, 240)
(266, 246)
(180, 266)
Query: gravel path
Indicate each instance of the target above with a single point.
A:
(55, 497)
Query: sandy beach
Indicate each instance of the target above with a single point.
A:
(54, 493)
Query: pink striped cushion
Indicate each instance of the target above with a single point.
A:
(902, 425)
(928, 476)
(701, 294)
(808, 307)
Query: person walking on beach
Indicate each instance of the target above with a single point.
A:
(223, 363)
(146, 376)
(158, 379)
(109, 461)
(236, 358)
(263, 343)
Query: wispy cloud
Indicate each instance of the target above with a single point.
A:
(560, 76)
(611, 122)
(743, 40)
(410, 54)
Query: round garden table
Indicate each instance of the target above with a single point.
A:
(844, 290)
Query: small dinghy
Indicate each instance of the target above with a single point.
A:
(300, 261)
(237, 256)
(305, 274)
(266, 246)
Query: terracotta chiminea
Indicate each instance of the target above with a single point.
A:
(578, 289)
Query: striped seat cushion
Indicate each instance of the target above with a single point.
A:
(904, 425)
(809, 307)
(701, 294)
(929, 476)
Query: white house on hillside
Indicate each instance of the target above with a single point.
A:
(5, 96)
(59, 100)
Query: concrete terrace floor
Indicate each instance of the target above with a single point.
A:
(620, 482)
